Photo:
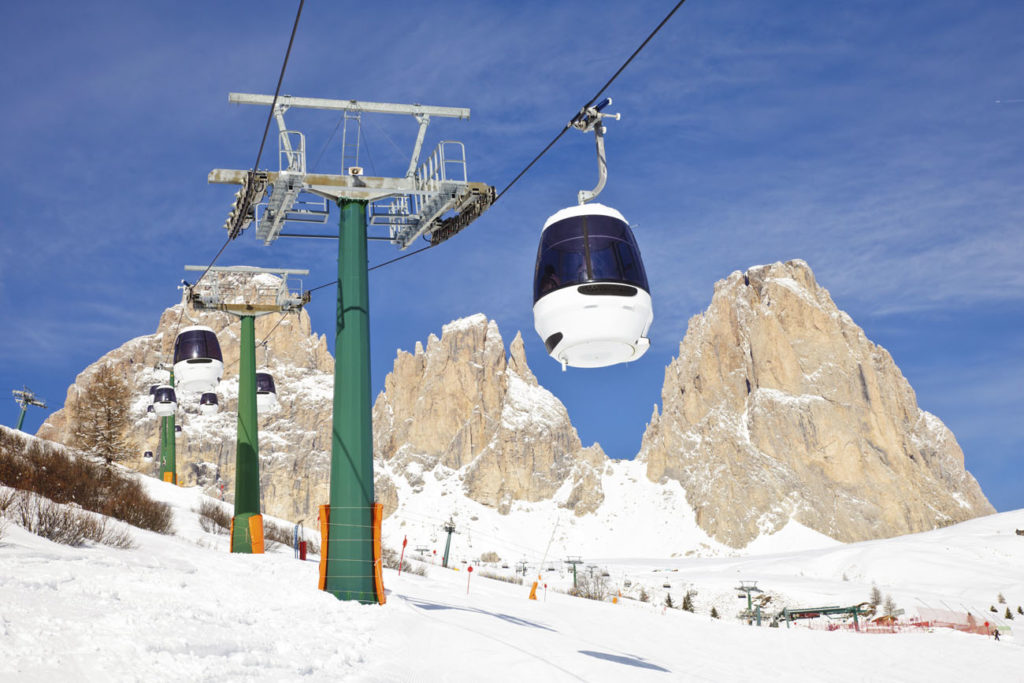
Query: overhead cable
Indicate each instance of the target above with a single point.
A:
(248, 191)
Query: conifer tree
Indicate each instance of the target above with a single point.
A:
(100, 417)
(668, 601)
(714, 613)
(688, 600)
(1009, 614)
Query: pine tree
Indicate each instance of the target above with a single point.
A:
(714, 613)
(1009, 614)
(992, 608)
(1019, 610)
(644, 597)
(1000, 599)
(688, 600)
(668, 601)
(101, 417)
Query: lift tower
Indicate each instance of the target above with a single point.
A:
(432, 199)
(220, 291)
(25, 398)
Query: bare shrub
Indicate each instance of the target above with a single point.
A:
(62, 523)
(518, 580)
(490, 556)
(591, 586)
(213, 517)
(129, 502)
(272, 533)
(118, 537)
(54, 474)
(7, 499)
(390, 558)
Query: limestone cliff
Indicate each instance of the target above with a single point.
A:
(779, 407)
(294, 436)
(459, 408)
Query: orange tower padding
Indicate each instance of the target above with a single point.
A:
(231, 536)
(256, 533)
(169, 477)
(378, 560)
(325, 525)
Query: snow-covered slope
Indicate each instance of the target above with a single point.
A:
(180, 607)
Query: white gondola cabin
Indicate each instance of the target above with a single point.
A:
(208, 404)
(591, 301)
(266, 392)
(198, 363)
(165, 402)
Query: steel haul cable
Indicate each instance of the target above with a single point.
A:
(550, 144)
(266, 129)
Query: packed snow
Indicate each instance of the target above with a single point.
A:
(180, 607)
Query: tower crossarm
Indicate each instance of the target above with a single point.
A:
(434, 199)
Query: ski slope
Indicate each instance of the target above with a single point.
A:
(181, 608)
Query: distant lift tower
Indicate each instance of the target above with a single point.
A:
(449, 528)
(221, 290)
(746, 589)
(25, 398)
(434, 200)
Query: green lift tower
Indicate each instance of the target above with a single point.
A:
(434, 200)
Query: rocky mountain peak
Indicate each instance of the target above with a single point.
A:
(462, 407)
(779, 407)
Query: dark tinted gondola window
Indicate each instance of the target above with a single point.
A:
(196, 344)
(562, 258)
(165, 395)
(265, 383)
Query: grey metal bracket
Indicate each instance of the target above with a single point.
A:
(434, 199)
(227, 289)
(590, 119)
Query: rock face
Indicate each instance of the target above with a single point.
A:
(779, 407)
(294, 437)
(459, 408)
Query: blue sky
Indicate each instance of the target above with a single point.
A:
(878, 141)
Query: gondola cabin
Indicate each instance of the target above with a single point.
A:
(198, 364)
(148, 455)
(149, 410)
(591, 300)
(165, 402)
(266, 392)
(208, 404)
